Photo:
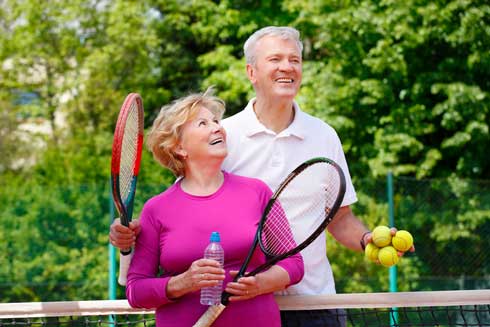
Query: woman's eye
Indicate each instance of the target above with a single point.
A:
(202, 123)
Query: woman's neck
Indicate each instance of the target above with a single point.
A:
(202, 181)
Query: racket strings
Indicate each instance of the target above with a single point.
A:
(277, 237)
(331, 188)
(301, 208)
(129, 151)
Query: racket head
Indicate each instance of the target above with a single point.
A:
(310, 195)
(127, 148)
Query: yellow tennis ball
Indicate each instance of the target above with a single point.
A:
(388, 256)
(402, 240)
(371, 252)
(381, 236)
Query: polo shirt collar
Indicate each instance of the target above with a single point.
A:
(254, 126)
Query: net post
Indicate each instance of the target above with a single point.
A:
(112, 283)
(392, 269)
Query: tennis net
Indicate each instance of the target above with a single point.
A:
(433, 308)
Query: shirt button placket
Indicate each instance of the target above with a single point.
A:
(276, 154)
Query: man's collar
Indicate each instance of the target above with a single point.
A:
(254, 126)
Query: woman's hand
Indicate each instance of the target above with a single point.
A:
(124, 237)
(244, 288)
(201, 273)
(271, 280)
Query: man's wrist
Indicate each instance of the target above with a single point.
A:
(362, 241)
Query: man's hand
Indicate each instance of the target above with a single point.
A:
(368, 238)
(124, 237)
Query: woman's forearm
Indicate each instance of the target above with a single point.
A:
(274, 279)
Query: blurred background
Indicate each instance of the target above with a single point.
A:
(406, 84)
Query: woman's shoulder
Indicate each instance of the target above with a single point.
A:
(246, 181)
(162, 197)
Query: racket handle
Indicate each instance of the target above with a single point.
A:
(124, 261)
(210, 315)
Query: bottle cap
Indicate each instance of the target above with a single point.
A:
(214, 237)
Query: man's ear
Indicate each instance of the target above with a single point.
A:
(251, 73)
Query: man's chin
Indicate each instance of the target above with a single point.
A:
(287, 93)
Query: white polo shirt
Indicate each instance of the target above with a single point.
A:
(255, 151)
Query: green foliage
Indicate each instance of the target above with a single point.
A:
(450, 218)
(12, 146)
(405, 84)
(53, 241)
(227, 74)
(402, 72)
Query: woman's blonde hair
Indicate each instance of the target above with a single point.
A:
(164, 136)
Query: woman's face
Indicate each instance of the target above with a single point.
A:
(203, 137)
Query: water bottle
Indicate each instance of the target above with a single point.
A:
(212, 295)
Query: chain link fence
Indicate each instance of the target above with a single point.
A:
(54, 239)
(450, 222)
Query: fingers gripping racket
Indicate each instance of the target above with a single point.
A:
(311, 195)
(125, 164)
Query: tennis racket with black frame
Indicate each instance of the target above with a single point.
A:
(125, 165)
(312, 193)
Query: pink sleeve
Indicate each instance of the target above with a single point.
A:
(147, 292)
(144, 289)
(295, 267)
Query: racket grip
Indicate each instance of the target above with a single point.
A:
(124, 261)
(210, 315)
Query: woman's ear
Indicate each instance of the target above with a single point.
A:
(181, 152)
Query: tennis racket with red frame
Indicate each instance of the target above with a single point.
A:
(312, 194)
(125, 164)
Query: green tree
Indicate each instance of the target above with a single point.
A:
(405, 84)
(12, 146)
(79, 60)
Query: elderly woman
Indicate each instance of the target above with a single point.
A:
(188, 139)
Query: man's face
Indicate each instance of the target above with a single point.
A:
(277, 70)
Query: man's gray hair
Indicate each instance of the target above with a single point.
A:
(285, 32)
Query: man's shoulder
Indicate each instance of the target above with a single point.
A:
(235, 119)
(236, 126)
(241, 116)
(315, 125)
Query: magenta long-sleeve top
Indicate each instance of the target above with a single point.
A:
(175, 230)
